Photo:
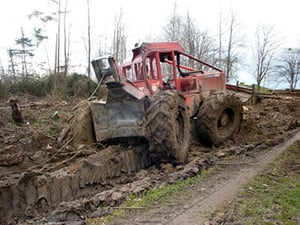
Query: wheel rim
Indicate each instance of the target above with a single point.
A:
(226, 119)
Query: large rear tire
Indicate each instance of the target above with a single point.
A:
(168, 127)
(219, 117)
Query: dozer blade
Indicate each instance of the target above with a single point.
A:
(120, 116)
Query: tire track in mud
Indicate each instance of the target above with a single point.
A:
(36, 192)
(80, 190)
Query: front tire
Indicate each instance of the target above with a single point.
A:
(168, 127)
(219, 117)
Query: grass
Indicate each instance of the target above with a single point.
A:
(151, 198)
(157, 196)
(272, 197)
(256, 89)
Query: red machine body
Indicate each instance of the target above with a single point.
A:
(165, 65)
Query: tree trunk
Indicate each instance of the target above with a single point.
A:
(89, 40)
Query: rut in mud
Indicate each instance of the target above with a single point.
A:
(37, 191)
(41, 180)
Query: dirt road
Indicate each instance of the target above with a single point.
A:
(197, 204)
(222, 193)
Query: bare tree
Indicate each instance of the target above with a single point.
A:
(39, 35)
(205, 47)
(186, 31)
(66, 40)
(89, 38)
(228, 60)
(25, 51)
(66, 43)
(119, 38)
(102, 45)
(234, 44)
(265, 49)
(11, 67)
(2, 70)
(289, 66)
(188, 37)
(230, 44)
(39, 40)
(57, 49)
(220, 38)
(172, 29)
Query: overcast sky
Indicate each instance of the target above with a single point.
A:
(144, 19)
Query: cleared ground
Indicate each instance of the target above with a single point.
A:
(42, 181)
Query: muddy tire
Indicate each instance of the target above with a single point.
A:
(219, 117)
(79, 129)
(168, 127)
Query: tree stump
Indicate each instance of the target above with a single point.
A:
(16, 111)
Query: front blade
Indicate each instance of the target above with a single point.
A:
(121, 116)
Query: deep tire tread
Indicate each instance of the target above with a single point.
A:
(161, 126)
(210, 112)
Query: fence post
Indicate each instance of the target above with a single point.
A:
(253, 89)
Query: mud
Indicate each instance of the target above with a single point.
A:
(43, 182)
(36, 192)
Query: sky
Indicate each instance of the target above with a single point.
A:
(144, 20)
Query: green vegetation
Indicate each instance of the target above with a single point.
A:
(74, 85)
(263, 90)
(153, 197)
(270, 198)
(157, 196)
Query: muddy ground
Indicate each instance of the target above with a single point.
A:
(42, 182)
